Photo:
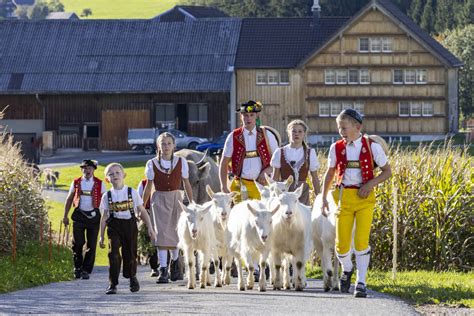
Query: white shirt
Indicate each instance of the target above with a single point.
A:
(295, 154)
(150, 173)
(119, 196)
(140, 189)
(252, 166)
(353, 176)
(85, 202)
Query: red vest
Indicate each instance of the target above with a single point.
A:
(96, 193)
(366, 163)
(147, 204)
(238, 154)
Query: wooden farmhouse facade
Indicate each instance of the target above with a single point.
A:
(378, 62)
(89, 81)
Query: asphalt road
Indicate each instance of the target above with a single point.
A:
(87, 296)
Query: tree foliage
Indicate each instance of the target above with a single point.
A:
(40, 10)
(461, 43)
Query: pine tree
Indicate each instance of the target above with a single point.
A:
(444, 16)
(416, 9)
(426, 22)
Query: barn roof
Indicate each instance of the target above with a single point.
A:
(190, 13)
(109, 56)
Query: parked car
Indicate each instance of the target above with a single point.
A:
(145, 138)
(214, 147)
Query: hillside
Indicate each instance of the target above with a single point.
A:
(119, 9)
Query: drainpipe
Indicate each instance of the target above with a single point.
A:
(43, 108)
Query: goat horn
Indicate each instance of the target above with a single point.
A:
(201, 162)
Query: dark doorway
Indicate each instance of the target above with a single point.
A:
(182, 113)
(30, 146)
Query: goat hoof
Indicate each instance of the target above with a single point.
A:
(299, 288)
(203, 286)
(249, 287)
(190, 287)
(242, 288)
(262, 289)
(326, 289)
(218, 285)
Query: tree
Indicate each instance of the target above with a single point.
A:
(86, 12)
(40, 10)
(426, 21)
(460, 43)
(444, 16)
(416, 9)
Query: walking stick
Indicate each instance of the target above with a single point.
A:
(59, 236)
(395, 229)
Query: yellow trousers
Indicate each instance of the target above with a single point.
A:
(353, 207)
(252, 191)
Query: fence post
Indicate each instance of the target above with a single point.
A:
(395, 230)
(50, 242)
(14, 234)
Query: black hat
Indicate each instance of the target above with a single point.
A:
(250, 107)
(89, 163)
(354, 114)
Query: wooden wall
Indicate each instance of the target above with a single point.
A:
(381, 97)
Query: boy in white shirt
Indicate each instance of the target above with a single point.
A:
(118, 206)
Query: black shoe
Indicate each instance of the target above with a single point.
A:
(233, 270)
(256, 274)
(112, 289)
(212, 268)
(345, 282)
(175, 270)
(154, 273)
(84, 275)
(134, 285)
(163, 276)
(360, 290)
(77, 273)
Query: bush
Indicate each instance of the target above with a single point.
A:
(18, 187)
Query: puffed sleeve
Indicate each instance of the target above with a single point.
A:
(332, 156)
(184, 168)
(275, 162)
(313, 160)
(149, 173)
(273, 143)
(104, 203)
(71, 188)
(137, 200)
(379, 155)
(229, 145)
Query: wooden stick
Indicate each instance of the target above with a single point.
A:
(14, 234)
(50, 241)
(59, 236)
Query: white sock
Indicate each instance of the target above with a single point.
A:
(362, 263)
(174, 254)
(163, 256)
(346, 261)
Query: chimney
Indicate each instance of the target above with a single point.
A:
(316, 9)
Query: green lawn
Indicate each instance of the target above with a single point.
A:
(119, 9)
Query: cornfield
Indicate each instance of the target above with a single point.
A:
(19, 188)
(432, 193)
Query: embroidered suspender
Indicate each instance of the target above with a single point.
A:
(122, 206)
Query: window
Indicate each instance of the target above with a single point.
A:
(197, 112)
(404, 109)
(375, 44)
(273, 77)
(353, 76)
(341, 76)
(261, 77)
(335, 108)
(387, 44)
(330, 76)
(165, 113)
(346, 105)
(324, 109)
(359, 107)
(410, 76)
(398, 76)
(364, 76)
(364, 44)
(284, 76)
(421, 76)
(427, 109)
(416, 109)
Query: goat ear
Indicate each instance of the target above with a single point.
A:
(260, 187)
(204, 170)
(209, 191)
(299, 191)
(205, 209)
(276, 209)
(278, 191)
(251, 209)
(269, 179)
(233, 194)
(289, 181)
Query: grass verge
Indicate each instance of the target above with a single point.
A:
(33, 268)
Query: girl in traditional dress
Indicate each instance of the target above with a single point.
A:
(165, 173)
(298, 160)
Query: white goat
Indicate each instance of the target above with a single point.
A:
(196, 233)
(292, 237)
(324, 239)
(220, 211)
(249, 234)
(274, 187)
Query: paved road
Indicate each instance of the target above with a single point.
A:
(87, 296)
